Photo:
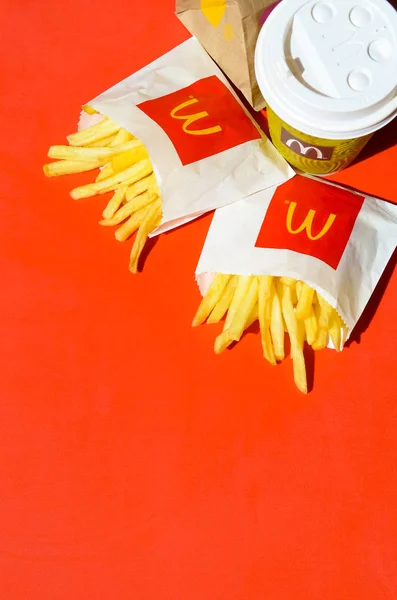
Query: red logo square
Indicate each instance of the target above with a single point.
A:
(311, 218)
(201, 120)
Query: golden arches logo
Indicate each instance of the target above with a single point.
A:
(189, 119)
(308, 223)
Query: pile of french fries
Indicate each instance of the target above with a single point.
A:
(282, 305)
(125, 170)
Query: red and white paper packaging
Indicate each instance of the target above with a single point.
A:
(337, 241)
(205, 148)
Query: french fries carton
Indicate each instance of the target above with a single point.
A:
(302, 258)
(170, 143)
(205, 148)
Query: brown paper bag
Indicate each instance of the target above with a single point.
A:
(228, 30)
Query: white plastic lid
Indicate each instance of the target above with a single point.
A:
(329, 67)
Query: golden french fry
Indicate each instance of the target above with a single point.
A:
(211, 298)
(264, 292)
(277, 325)
(127, 209)
(299, 366)
(321, 341)
(130, 226)
(225, 338)
(264, 314)
(89, 110)
(219, 310)
(244, 310)
(122, 136)
(115, 202)
(150, 221)
(67, 167)
(267, 344)
(222, 341)
(103, 143)
(288, 281)
(243, 285)
(127, 158)
(81, 153)
(326, 313)
(299, 289)
(296, 336)
(142, 185)
(311, 326)
(105, 172)
(305, 302)
(92, 134)
(252, 318)
(130, 175)
(335, 330)
(294, 294)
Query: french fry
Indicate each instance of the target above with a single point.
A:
(131, 225)
(67, 167)
(294, 294)
(92, 134)
(237, 308)
(288, 281)
(115, 202)
(277, 325)
(89, 110)
(244, 310)
(127, 209)
(122, 137)
(105, 172)
(130, 175)
(264, 308)
(127, 158)
(243, 285)
(223, 341)
(80, 153)
(321, 341)
(295, 334)
(103, 143)
(311, 326)
(335, 330)
(221, 307)
(264, 313)
(305, 302)
(252, 318)
(141, 186)
(150, 221)
(326, 313)
(211, 298)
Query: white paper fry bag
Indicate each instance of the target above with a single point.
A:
(337, 241)
(206, 150)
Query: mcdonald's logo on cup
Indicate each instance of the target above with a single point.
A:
(201, 120)
(304, 149)
(311, 218)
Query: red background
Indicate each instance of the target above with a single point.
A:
(134, 462)
(310, 195)
(222, 109)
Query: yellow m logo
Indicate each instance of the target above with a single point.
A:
(189, 119)
(308, 223)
